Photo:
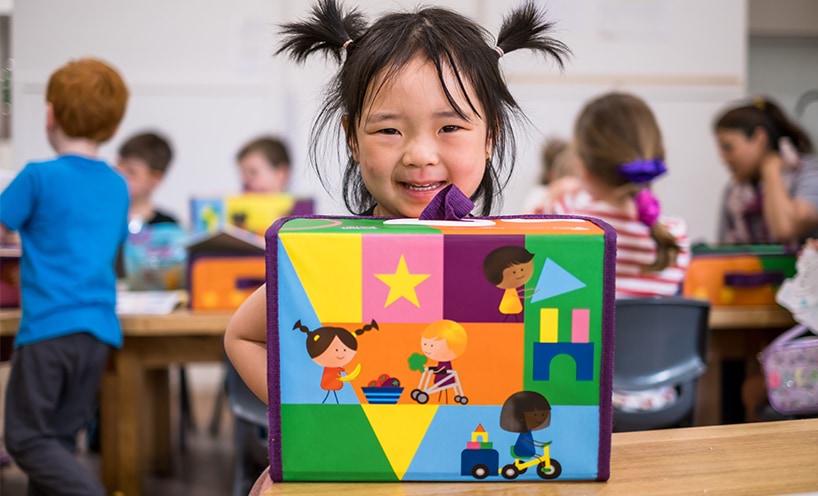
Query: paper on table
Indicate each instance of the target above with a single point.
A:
(799, 295)
(147, 302)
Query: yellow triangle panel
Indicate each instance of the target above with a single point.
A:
(329, 267)
(400, 430)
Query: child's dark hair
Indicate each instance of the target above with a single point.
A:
(272, 149)
(765, 114)
(512, 415)
(447, 40)
(151, 148)
(319, 340)
(502, 258)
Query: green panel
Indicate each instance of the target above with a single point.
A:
(331, 443)
(357, 226)
(781, 263)
(582, 256)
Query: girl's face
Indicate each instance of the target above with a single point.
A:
(411, 143)
(259, 176)
(742, 155)
(437, 349)
(337, 355)
(516, 275)
(537, 419)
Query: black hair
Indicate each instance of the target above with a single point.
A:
(319, 340)
(502, 258)
(271, 148)
(449, 41)
(512, 415)
(765, 114)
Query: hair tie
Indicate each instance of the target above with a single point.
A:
(643, 171)
(759, 103)
(346, 43)
(647, 207)
(499, 51)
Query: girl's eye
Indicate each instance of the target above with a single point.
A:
(450, 129)
(390, 131)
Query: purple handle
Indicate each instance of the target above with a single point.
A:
(753, 280)
(249, 283)
(449, 204)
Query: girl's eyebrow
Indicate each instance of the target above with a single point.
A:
(379, 117)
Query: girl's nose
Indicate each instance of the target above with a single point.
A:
(421, 151)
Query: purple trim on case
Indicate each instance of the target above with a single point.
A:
(753, 280)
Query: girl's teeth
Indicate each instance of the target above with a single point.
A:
(422, 187)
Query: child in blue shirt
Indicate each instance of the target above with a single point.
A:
(71, 213)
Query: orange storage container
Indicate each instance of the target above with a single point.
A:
(224, 282)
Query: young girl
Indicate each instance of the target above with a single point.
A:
(422, 104)
(559, 171)
(620, 153)
(525, 412)
(773, 195)
(333, 348)
(510, 268)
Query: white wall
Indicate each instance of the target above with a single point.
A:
(785, 68)
(201, 71)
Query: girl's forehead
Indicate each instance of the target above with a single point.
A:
(395, 81)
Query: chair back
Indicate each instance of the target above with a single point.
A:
(659, 342)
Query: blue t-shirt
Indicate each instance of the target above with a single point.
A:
(72, 215)
(524, 447)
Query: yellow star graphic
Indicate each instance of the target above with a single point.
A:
(402, 284)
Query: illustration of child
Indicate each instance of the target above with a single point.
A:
(442, 341)
(526, 412)
(333, 348)
(510, 268)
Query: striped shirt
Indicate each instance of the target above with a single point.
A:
(635, 249)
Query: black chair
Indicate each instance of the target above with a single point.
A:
(250, 432)
(659, 342)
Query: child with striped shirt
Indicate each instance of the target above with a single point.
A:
(620, 149)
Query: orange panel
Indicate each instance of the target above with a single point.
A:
(705, 280)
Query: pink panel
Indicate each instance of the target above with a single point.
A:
(579, 325)
(424, 255)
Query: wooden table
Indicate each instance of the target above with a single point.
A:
(746, 459)
(135, 389)
(739, 334)
(135, 409)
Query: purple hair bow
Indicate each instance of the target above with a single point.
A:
(642, 171)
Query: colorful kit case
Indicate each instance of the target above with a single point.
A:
(406, 350)
(742, 275)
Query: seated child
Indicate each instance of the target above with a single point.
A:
(264, 164)
(620, 151)
(144, 160)
(559, 176)
(773, 194)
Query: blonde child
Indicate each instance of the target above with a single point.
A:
(559, 176)
(773, 194)
(620, 151)
(72, 215)
(443, 341)
(422, 103)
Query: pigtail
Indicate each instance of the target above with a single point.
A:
(301, 327)
(786, 127)
(329, 28)
(667, 250)
(368, 327)
(526, 27)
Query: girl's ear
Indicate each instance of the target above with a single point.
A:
(351, 144)
(760, 137)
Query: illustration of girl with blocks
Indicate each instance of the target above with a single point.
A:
(333, 348)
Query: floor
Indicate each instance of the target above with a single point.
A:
(206, 469)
